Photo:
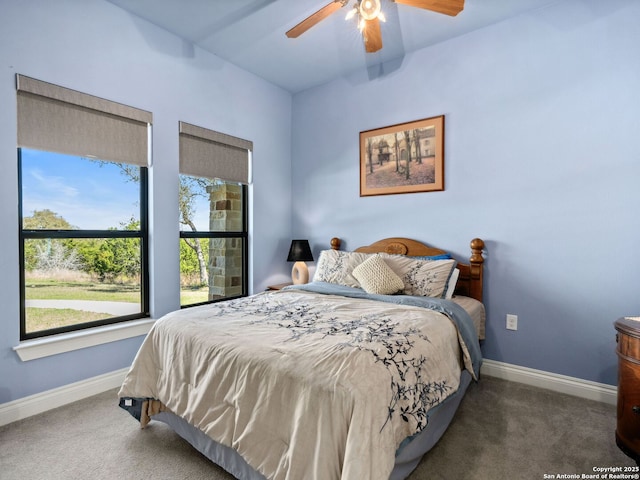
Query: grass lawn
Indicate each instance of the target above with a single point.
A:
(38, 319)
(45, 318)
(79, 290)
(191, 295)
(54, 289)
(112, 292)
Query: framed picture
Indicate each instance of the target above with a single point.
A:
(404, 158)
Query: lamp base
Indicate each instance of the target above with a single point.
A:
(299, 273)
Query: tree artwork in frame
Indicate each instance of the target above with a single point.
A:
(404, 158)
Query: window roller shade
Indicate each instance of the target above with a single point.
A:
(206, 153)
(58, 119)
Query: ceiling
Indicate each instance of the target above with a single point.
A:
(251, 33)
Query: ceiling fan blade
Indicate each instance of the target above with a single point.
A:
(315, 18)
(448, 7)
(372, 35)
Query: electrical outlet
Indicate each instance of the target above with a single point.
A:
(512, 322)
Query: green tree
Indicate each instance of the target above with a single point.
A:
(46, 220)
(190, 188)
(189, 263)
(118, 257)
(45, 254)
(87, 249)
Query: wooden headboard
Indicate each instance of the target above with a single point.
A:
(470, 279)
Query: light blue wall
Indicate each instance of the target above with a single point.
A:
(97, 48)
(542, 161)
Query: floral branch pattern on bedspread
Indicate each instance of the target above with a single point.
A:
(392, 346)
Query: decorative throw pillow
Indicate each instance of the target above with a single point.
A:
(375, 276)
(336, 266)
(425, 278)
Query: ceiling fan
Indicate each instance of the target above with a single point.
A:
(370, 15)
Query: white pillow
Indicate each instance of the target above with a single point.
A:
(375, 276)
(336, 266)
(451, 286)
(425, 278)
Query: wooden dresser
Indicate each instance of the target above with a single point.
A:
(628, 350)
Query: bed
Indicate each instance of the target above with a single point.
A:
(354, 375)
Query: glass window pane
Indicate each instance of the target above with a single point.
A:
(194, 270)
(210, 205)
(68, 192)
(75, 281)
(210, 269)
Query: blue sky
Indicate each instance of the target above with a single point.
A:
(84, 193)
(87, 194)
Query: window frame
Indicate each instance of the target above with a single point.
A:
(243, 235)
(142, 235)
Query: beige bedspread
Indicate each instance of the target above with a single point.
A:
(302, 385)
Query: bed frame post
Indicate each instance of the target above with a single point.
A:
(475, 268)
(335, 243)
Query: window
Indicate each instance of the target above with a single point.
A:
(82, 170)
(213, 216)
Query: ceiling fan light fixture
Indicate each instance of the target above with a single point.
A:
(369, 15)
(370, 9)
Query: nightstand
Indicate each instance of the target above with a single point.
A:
(628, 419)
(279, 286)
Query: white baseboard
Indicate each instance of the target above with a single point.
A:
(41, 402)
(600, 392)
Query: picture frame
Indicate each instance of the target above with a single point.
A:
(388, 167)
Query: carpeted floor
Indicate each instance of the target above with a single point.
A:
(503, 430)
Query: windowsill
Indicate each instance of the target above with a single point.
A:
(67, 342)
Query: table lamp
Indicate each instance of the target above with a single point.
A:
(299, 253)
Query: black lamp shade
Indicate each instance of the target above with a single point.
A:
(300, 251)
